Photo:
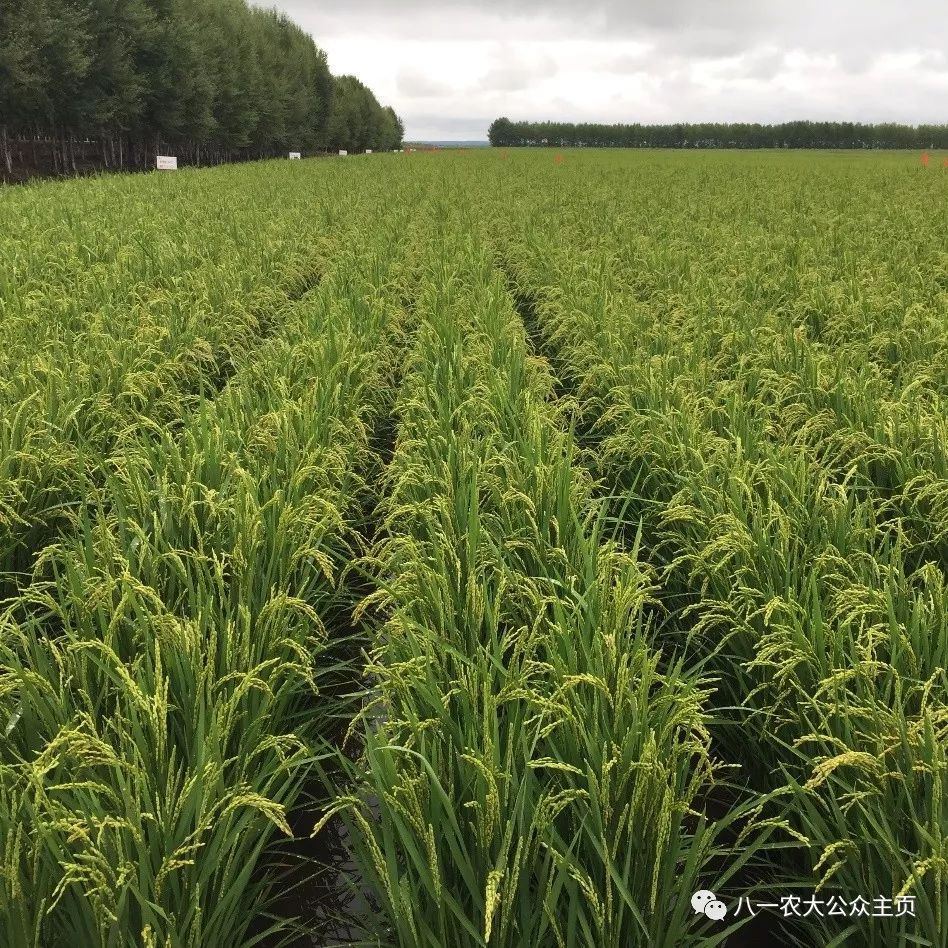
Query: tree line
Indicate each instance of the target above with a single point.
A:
(505, 133)
(113, 82)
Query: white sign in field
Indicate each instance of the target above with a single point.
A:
(343, 152)
(166, 163)
(368, 151)
(295, 156)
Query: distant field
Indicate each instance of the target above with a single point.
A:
(557, 533)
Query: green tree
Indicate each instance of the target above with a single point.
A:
(500, 133)
(211, 79)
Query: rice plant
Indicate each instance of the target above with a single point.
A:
(562, 537)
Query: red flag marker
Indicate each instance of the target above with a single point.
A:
(558, 159)
(946, 164)
(925, 158)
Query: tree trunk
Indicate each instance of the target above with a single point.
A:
(7, 157)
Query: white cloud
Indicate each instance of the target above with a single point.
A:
(449, 68)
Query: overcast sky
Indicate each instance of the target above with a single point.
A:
(449, 68)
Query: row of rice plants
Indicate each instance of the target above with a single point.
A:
(854, 248)
(105, 358)
(535, 768)
(881, 433)
(130, 257)
(860, 393)
(860, 429)
(829, 649)
(82, 253)
(878, 424)
(170, 679)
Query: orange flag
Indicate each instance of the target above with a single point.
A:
(558, 159)
(925, 158)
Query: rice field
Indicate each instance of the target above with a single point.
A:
(476, 549)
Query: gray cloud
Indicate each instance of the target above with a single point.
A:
(413, 83)
(625, 63)
(656, 60)
(697, 24)
(764, 65)
(512, 71)
(855, 62)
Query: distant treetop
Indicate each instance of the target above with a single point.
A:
(504, 133)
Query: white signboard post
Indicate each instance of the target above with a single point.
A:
(166, 163)
(343, 152)
(368, 151)
(295, 156)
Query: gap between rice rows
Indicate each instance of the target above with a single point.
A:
(517, 649)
